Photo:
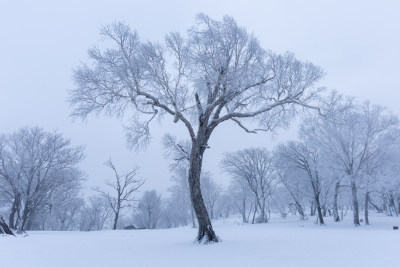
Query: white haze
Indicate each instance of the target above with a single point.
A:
(356, 43)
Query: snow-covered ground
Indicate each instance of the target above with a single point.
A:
(288, 242)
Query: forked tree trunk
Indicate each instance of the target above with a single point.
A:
(335, 205)
(15, 210)
(315, 188)
(196, 159)
(356, 218)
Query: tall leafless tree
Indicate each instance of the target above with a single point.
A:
(219, 73)
(308, 159)
(255, 166)
(123, 189)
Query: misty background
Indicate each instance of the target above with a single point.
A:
(356, 43)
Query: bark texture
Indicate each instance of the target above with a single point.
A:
(356, 218)
(206, 232)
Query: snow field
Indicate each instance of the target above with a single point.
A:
(288, 242)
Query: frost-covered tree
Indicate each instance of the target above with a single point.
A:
(123, 187)
(66, 216)
(307, 158)
(95, 215)
(149, 210)
(241, 197)
(211, 192)
(294, 183)
(36, 168)
(354, 138)
(217, 73)
(255, 166)
(179, 205)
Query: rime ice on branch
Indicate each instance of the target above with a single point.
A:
(217, 73)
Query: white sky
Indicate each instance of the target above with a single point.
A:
(356, 42)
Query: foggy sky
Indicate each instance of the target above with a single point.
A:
(356, 42)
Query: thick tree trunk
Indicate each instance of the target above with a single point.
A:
(4, 229)
(312, 208)
(115, 220)
(335, 201)
(366, 208)
(319, 210)
(196, 159)
(315, 187)
(13, 212)
(193, 219)
(356, 218)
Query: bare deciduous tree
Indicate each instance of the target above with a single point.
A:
(123, 189)
(218, 73)
(211, 192)
(255, 166)
(94, 215)
(180, 196)
(35, 166)
(241, 196)
(294, 184)
(308, 159)
(149, 210)
(354, 138)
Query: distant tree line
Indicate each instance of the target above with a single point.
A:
(345, 162)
